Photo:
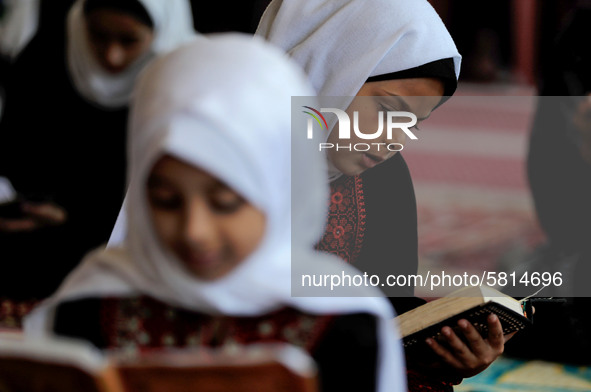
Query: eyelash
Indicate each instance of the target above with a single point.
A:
(218, 206)
(227, 208)
(165, 204)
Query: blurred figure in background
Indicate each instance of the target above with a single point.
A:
(62, 135)
(559, 172)
(19, 20)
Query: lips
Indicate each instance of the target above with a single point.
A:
(201, 260)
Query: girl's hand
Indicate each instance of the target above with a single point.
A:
(475, 354)
(36, 216)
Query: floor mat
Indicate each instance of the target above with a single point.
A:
(512, 375)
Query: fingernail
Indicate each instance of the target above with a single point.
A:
(463, 324)
(492, 317)
(429, 341)
(446, 331)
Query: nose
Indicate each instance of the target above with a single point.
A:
(199, 227)
(114, 56)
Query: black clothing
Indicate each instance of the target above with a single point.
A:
(55, 145)
(372, 224)
(242, 16)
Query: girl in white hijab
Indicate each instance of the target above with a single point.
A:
(62, 135)
(212, 203)
(342, 45)
(103, 61)
(355, 50)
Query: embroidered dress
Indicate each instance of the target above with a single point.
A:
(12, 312)
(144, 323)
(345, 227)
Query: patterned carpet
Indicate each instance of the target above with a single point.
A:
(468, 165)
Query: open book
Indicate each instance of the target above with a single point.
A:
(53, 365)
(64, 365)
(473, 303)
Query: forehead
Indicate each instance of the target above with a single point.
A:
(177, 171)
(115, 22)
(404, 87)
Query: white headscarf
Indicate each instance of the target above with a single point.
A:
(18, 26)
(340, 43)
(224, 105)
(173, 26)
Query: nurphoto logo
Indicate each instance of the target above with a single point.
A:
(394, 120)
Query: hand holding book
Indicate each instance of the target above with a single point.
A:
(465, 330)
(470, 353)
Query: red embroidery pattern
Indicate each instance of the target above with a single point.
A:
(141, 324)
(13, 312)
(345, 227)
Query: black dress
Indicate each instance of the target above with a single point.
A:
(242, 16)
(345, 347)
(55, 145)
(372, 224)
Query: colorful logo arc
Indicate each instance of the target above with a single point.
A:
(315, 117)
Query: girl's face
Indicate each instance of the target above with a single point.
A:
(206, 224)
(117, 39)
(415, 95)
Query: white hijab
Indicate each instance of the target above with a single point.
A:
(340, 43)
(18, 26)
(224, 105)
(173, 26)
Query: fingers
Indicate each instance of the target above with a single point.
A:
(477, 344)
(445, 354)
(459, 349)
(17, 225)
(38, 215)
(509, 336)
(46, 212)
(495, 333)
(473, 354)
